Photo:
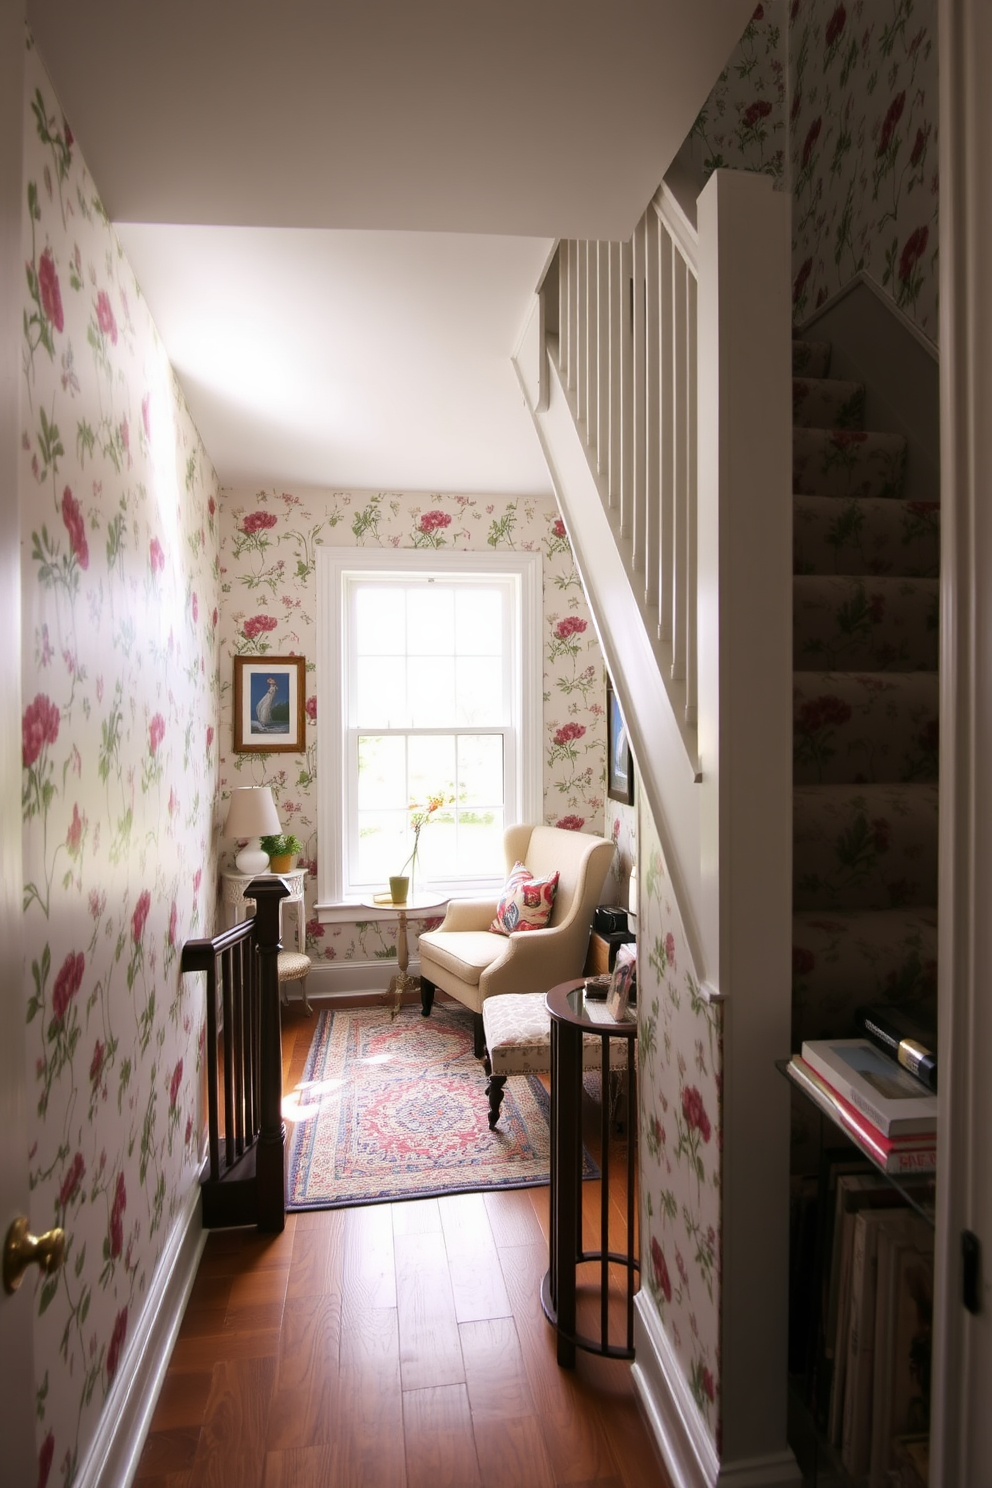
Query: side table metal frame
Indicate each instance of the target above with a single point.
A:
(566, 1253)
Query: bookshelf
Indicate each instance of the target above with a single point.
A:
(850, 1194)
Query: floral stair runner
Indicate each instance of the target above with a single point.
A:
(865, 633)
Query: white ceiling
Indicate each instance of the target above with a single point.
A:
(338, 212)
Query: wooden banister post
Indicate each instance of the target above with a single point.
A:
(270, 1170)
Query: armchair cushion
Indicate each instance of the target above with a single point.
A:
(526, 902)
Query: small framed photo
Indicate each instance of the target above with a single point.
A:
(619, 769)
(623, 984)
(269, 712)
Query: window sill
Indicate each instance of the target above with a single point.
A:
(349, 912)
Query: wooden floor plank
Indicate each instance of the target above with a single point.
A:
(430, 1347)
(318, 1257)
(167, 1453)
(368, 1266)
(417, 1217)
(304, 1406)
(439, 1440)
(473, 1264)
(234, 1341)
(369, 1419)
(511, 1216)
(182, 1400)
(495, 1372)
(511, 1453)
(230, 1452)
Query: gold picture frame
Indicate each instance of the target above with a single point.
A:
(269, 704)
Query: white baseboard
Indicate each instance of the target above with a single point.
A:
(681, 1436)
(331, 978)
(683, 1440)
(127, 1411)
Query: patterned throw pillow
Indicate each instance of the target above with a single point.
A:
(526, 901)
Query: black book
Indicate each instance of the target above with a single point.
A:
(906, 1037)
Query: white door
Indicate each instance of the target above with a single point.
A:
(16, 1323)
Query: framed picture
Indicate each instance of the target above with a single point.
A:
(619, 770)
(269, 715)
(622, 985)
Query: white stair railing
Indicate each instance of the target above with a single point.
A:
(626, 350)
(662, 358)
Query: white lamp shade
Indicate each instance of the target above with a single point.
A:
(252, 814)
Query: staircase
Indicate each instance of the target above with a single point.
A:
(865, 712)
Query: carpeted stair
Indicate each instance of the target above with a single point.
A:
(865, 637)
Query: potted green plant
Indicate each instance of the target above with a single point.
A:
(282, 848)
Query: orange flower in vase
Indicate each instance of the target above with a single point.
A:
(419, 817)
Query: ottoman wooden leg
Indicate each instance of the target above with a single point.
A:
(494, 1090)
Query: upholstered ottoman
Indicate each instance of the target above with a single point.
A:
(517, 1029)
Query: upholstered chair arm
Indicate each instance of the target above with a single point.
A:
(536, 960)
(469, 914)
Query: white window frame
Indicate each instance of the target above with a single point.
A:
(334, 566)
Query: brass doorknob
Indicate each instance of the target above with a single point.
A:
(21, 1248)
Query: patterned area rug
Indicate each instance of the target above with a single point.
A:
(396, 1109)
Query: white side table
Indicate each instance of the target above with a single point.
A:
(233, 887)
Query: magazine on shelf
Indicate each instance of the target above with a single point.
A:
(893, 1101)
(900, 1155)
(855, 1192)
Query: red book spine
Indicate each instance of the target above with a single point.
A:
(916, 1153)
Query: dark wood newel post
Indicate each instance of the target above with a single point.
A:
(270, 1171)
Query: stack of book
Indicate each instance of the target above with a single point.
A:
(871, 1388)
(887, 1112)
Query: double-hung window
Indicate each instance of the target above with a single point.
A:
(430, 686)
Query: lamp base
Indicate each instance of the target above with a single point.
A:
(252, 858)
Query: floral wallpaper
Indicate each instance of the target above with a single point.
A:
(681, 1069)
(119, 669)
(863, 144)
(837, 99)
(742, 125)
(269, 540)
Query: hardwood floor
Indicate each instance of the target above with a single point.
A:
(389, 1346)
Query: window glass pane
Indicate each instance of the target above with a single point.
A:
(381, 846)
(431, 691)
(479, 621)
(479, 692)
(432, 766)
(380, 619)
(382, 782)
(480, 770)
(480, 843)
(431, 620)
(380, 693)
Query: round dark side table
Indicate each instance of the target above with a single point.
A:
(573, 1018)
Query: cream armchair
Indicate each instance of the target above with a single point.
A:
(470, 962)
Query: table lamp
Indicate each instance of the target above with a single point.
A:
(252, 814)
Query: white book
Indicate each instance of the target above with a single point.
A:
(893, 1101)
(855, 1191)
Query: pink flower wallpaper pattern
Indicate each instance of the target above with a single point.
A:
(119, 702)
(743, 124)
(269, 540)
(863, 144)
(680, 1057)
